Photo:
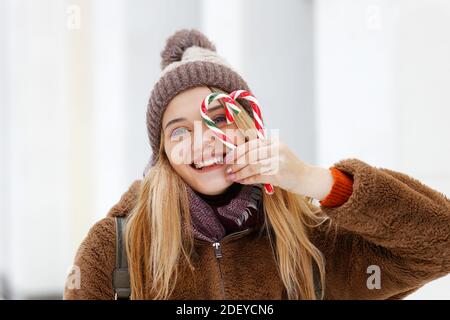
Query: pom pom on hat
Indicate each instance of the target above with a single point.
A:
(177, 44)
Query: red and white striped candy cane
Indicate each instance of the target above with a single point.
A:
(257, 119)
(231, 109)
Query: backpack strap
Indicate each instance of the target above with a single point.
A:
(121, 276)
(317, 282)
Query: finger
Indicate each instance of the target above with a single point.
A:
(256, 179)
(252, 157)
(243, 149)
(258, 168)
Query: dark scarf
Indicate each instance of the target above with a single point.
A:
(213, 217)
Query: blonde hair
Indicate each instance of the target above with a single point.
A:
(155, 263)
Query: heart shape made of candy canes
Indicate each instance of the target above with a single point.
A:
(231, 110)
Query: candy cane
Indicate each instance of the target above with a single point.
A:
(257, 119)
(232, 109)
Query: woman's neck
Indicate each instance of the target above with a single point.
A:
(222, 198)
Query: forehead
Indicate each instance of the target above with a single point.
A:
(186, 104)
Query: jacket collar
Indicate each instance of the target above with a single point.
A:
(129, 199)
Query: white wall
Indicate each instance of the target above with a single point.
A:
(36, 148)
(73, 135)
(383, 90)
(271, 45)
(4, 145)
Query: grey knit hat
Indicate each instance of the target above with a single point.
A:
(188, 60)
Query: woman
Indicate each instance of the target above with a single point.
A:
(199, 228)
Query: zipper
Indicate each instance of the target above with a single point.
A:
(217, 245)
(218, 250)
(218, 254)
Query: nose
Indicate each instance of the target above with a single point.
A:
(205, 144)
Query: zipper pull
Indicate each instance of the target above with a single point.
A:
(217, 250)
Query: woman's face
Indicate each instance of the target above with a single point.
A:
(192, 149)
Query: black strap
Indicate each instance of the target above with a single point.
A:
(121, 277)
(317, 282)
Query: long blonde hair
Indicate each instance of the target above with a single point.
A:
(155, 263)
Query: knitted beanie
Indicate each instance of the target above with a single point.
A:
(188, 60)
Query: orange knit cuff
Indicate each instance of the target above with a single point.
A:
(341, 190)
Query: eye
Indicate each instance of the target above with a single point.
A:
(178, 132)
(220, 119)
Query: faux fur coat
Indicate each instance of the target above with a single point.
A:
(391, 224)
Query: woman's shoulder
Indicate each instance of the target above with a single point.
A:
(101, 233)
(93, 264)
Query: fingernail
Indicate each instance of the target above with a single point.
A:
(228, 157)
(229, 170)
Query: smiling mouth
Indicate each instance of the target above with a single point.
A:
(209, 164)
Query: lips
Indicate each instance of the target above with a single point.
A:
(207, 164)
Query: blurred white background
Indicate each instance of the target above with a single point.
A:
(340, 78)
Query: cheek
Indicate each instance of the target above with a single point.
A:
(178, 153)
(176, 160)
(181, 169)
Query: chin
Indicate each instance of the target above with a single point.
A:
(211, 187)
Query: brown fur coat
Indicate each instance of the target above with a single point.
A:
(391, 221)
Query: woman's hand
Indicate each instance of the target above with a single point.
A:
(270, 161)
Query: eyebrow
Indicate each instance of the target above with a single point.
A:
(212, 109)
(174, 121)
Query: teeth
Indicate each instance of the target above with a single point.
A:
(208, 162)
